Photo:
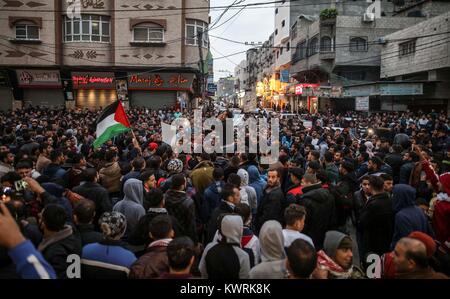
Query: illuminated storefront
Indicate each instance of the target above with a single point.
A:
(94, 89)
(304, 97)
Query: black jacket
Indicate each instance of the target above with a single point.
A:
(29, 147)
(56, 253)
(140, 235)
(320, 208)
(270, 207)
(98, 194)
(359, 202)
(377, 222)
(395, 161)
(213, 224)
(343, 195)
(87, 234)
(180, 206)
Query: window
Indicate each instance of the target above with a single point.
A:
(313, 46)
(276, 31)
(281, 51)
(283, 23)
(302, 50)
(194, 30)
(294, 31)
(407, 48)
(358, 44)
(90, 28)
(278, 54)
(325, 44)
(276, 10)
(288, 47)
(148, 34)
(27, 32)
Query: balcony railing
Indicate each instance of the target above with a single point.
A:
(327, 55)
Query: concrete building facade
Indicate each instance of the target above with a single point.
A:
(337, 52)
(420, 53)
(134, 51)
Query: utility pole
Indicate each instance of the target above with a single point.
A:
(201, 79)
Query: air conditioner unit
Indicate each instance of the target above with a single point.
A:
(369, 17)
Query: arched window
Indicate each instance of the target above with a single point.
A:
(325, 44)
(148, 33)
(358, 44)
(313, 46)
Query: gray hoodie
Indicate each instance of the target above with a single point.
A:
(251, 192)
(272, 253)
(332, 240)
(131, 204)
(231, 229)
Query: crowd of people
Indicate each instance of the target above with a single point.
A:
(350, 186)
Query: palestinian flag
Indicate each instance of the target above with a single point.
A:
(112, 121)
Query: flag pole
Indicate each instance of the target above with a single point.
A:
(135, 143)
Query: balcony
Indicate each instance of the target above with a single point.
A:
(327, 55)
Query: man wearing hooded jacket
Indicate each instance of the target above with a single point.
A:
(225, 259)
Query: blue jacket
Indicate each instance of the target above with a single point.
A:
(362, 170)
(285, 141)
(107, 258)
(212, 198)
(30, 264)
(54, 171)
(57, 191)
(408, 217)
(405, 172)
(256, 182)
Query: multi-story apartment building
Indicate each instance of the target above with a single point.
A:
(419, 66)
(145, 53)
(336, 52)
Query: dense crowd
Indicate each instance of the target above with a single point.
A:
(343, 188)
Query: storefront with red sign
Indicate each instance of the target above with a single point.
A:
(40, 87)
(94, 89)
(303, 99)
(156, 90)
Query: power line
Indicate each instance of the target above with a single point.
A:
(119, 65)
(256, 5)
(260, 45)
(225, 11)
(233, 16)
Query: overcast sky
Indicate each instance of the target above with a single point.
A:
(249, 25)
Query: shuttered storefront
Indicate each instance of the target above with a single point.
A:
(153, 99)
(156, 90)
(94, 98)
(43, 97)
